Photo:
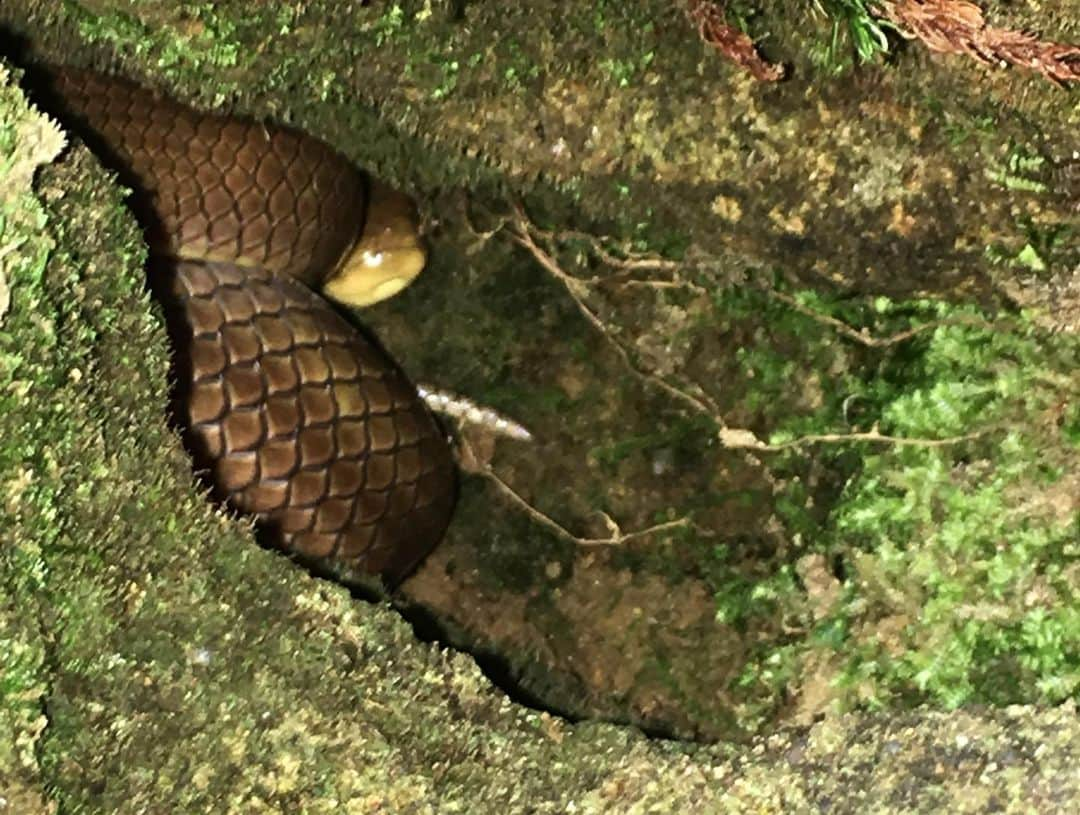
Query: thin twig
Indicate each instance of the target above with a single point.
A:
(483, 235)
(664, 284)
(633, 261)
(616, 538)
(524, 233)
(861, 336)
(740, 439)
(520, 234)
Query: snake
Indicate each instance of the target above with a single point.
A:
(258, 235)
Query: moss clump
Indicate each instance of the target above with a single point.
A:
(941, 571)
(27, 140)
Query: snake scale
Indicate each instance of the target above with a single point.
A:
(297, 418)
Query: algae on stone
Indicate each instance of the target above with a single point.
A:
(152, 630)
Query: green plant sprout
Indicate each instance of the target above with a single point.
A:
(865, 29)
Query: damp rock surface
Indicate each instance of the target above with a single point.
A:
(161, 660)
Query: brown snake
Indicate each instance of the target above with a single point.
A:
(297, 417)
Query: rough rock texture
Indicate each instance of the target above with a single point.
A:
(156, 660)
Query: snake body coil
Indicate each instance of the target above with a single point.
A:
(298, 418)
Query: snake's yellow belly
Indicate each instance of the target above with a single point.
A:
(297, 417)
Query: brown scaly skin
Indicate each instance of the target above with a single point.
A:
(298, 418)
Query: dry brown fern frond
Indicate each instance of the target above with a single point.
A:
(958, 27)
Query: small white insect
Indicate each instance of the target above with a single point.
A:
(467, 411)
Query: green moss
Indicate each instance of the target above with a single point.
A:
(951, 562)
(811, 167)
(27, 140)
(855, 26)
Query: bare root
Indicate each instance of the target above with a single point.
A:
(477, 463)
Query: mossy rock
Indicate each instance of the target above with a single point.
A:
(161, 660)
